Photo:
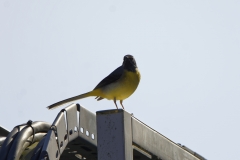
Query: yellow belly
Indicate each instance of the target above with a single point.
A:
(122, 88)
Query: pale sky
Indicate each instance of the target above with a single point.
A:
(188, 54)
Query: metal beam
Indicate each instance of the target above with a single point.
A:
(114, 135)
(157, 144)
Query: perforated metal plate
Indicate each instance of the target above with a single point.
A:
(61, 131)
(50, 150)
(72, 122)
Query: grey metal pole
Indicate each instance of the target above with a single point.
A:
(114, 134)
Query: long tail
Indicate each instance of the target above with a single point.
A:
(88, 94)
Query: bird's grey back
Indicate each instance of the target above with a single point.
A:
(112, 77)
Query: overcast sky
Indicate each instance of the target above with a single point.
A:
(188, 54)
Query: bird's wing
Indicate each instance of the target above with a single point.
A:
(112, 77)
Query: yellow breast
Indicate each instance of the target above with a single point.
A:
(122, 88)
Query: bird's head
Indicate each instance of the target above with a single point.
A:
(129, 63)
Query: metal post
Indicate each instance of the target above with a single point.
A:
(114, 134)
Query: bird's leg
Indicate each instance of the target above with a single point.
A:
(115, 102)
(121, 103)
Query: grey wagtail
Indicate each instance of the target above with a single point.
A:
(118, 85)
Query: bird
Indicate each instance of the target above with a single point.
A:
(118, 85)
